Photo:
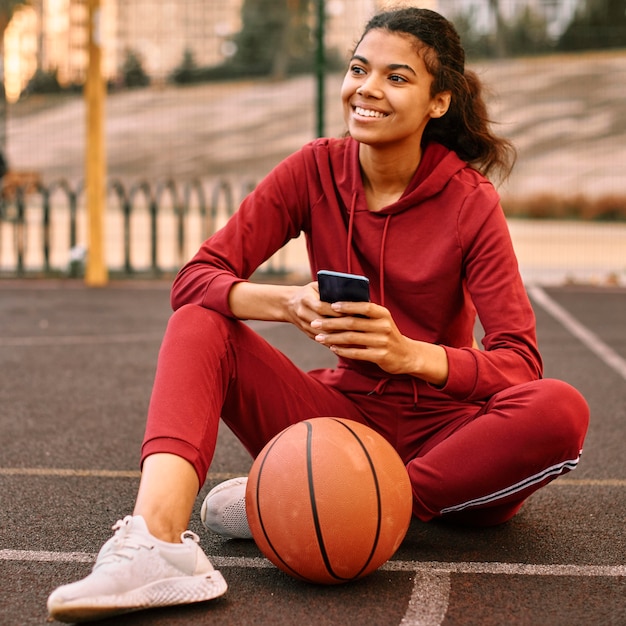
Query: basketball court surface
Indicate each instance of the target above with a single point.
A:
(76, 372)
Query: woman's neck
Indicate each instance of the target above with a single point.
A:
(386, 174)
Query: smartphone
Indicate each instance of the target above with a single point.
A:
(341, 287)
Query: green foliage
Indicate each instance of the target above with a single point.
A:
(133, 74)
(526, 34)
(275, 38)
(187, 71)
(43, 82)
(477, 45)
(597, 24)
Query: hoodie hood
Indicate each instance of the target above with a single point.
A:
(437, 166)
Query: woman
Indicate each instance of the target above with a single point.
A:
(404, 200)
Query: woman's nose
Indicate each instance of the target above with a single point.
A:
(369, 88)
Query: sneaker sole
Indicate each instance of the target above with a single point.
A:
(169, 592)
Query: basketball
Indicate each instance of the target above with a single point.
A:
(328, 500)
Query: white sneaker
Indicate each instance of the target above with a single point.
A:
(224, 509)
(135, 571)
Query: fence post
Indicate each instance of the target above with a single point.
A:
(20, 229)
(45, 197)
(96, 274)
(154, 211)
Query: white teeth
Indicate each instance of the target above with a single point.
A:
(368, 112)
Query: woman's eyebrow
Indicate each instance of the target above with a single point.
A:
(391, 66)
(401, 66)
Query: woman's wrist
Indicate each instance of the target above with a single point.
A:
(260, 301)
(430, 363)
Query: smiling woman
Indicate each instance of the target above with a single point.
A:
(388, 101)
(403, 200)
(429, 63)
(397, 94)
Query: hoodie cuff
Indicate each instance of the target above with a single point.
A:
(462, 373)
(216, 294)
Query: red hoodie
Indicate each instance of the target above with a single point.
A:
(435, 258)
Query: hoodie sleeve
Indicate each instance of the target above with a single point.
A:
(267, 219)
(510, 354)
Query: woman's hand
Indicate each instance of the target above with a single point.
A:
(372, 337)
(366, 331)
(304, 306)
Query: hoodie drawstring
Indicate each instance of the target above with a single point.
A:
(415, 394)
(381, 266)
(383, 243)
(350, 230)
(381, 385)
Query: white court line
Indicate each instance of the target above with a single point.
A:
(471, 567)
(94, 473)
(429, 599)
(86, 473)
(103, 473)
(86, 340)
(588, 338)
(80, 340)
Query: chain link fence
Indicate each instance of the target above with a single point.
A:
(179, 154)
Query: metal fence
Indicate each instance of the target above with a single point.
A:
(151, 228)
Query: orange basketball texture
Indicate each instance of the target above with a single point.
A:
(328, 500)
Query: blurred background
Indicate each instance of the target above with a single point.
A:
(203, 98)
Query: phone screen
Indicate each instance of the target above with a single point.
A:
(341, 287)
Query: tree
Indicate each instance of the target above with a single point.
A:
(133, 74)
(7, 8)
(597, 24)
(275, 37)
(499, 30)
(528, 34)
(187, 71)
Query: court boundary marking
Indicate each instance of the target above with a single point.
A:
(429, 599)
(79, 340)
(45, 472)
(446, 567)
(587, 337)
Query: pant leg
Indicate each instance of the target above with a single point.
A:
(523, 438)
(213, 367)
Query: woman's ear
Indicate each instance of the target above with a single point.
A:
(440, 104)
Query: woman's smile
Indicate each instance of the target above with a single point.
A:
(360, 111)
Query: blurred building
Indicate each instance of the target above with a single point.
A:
(52, 35)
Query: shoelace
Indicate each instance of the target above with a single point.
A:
(125, 544)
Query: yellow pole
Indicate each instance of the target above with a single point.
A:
(96, 274)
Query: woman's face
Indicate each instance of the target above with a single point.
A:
(386, 91)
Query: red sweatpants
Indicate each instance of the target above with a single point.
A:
(471, 462)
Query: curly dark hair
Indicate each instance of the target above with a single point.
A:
(466, 127)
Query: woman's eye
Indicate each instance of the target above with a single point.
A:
(355, 69)
(396, 78)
